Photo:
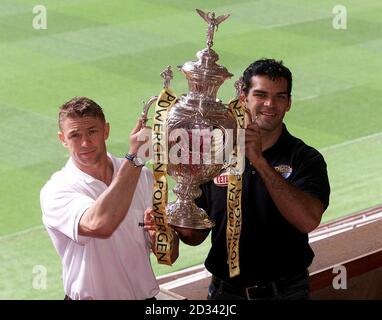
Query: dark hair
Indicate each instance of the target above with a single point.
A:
(79, 107)
(267, 67)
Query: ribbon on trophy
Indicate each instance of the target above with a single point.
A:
(234, 189)
(164, 233)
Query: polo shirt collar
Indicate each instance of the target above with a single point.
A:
(73, 169)
(280, 143)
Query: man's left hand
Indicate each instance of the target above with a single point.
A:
(149, 225)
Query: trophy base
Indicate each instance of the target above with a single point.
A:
(188, 215)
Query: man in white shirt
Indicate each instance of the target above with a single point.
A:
(93, 209)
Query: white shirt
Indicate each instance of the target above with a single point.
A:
(114, 268)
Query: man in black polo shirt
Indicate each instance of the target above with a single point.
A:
(285, 192)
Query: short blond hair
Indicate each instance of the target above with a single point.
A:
(79, 107)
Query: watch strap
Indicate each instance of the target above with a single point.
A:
(132, 158)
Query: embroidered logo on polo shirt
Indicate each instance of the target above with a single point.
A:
(221, 180)
(284, 170)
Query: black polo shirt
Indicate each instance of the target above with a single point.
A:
(270, 247)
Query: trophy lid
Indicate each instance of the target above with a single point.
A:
(206, 65)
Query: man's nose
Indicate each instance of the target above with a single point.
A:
(270, 101)
(85, 141)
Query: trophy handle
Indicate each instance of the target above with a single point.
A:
(167, 76)
(146, 107)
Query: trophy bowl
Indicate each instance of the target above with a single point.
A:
(197, 166)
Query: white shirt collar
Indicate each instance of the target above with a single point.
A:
(73, 169)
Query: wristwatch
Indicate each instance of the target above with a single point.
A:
(137, 162)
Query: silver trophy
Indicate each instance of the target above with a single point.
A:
(198, 111)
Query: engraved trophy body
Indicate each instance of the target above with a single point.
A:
(197, 115)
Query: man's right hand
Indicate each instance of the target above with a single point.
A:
(253, 143)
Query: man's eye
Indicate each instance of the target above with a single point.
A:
(92, 131)
(74, 136)
(260, 95)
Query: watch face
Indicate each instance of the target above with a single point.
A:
(138, 162)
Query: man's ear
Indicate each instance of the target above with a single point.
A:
(243, 97)
(290, 103)
(61, 136)
(107, 130)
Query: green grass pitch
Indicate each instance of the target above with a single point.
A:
(114, 51)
